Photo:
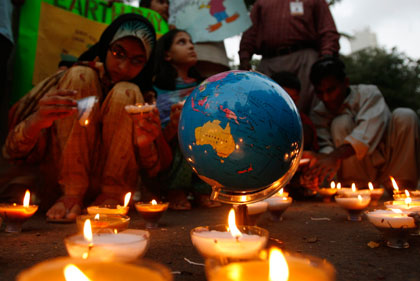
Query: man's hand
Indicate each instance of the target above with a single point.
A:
(245, 65)
(146, 127)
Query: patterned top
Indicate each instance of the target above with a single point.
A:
(274, 27)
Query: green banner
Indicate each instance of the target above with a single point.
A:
(96, 11)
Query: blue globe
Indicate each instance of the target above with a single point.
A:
(242, 134)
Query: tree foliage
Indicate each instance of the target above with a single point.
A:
(395, 74)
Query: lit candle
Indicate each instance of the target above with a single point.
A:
(63, 269)
(277, 268)
(281, 193)
(353, 205)
(124, 246)
(342, 190)
(401, 195)
(375, 194)
(15, 215)
(151, 212)
(327, 193)
(255, 210)
(139, 108)
(277, 206)
(406, 205)
(353, 192)
(109, 209)
(99, 222)
(229, 241)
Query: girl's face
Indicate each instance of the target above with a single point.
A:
(182, 51)
(162, 7)
(125, 59)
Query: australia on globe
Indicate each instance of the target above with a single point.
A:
(242, 134)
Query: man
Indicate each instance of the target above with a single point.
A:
(360, 139)
(290, 35)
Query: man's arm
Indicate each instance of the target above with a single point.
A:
(325, 25)
(248, 42)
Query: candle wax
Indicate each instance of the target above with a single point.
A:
(117, 222)
(257, 208)
(278, 203)
(390, 219)
(414, 206)
(353, 203)
(108, 210)
(17, 212)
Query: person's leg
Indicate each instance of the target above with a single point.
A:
(402, 150)
(118, 162)
(73, 145)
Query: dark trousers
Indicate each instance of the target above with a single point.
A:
(6, 48)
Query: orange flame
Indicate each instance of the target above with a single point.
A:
(153, 202)
(232, 224)
(339, 185)
(370, 186)
(353, 187)
(87, 231)
(127, 199)
(278, 268)
(332, 184)
(73, 273)
(394, 184)
(26, 198)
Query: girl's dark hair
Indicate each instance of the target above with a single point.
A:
(145, 3)
(325, 67)
(287, 79)
(165, 73)
(145, 78)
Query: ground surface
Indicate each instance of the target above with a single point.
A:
(342, 243)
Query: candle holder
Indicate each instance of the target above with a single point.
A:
(52, 270)
(151, 212)
(301, 268)
(15, 215)
(217, 242)
(401, 195)
(353, 205)
(277, 206)
(108, 210)
(100, 222)
(255, 210)
(125, 246)
(414, 206)
(395, 227)
(327, 193)
(375, 195)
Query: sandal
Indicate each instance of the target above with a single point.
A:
(65, 209)
(178, 200)
(105, 199)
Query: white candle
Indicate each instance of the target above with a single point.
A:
(353, 203)
(124, 246)
(278, 203)
(213, 243)
(414, 206)
(390, 219)
(257, 208)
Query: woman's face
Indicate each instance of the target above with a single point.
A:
(182, 51)
(162, 7)
(125, 59)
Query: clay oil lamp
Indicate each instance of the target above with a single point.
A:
(151, 212)
(255, 210)
(353, 205)
(277, 206)
(111, 209)
(101, 222)
(375, 194)
(327, 193)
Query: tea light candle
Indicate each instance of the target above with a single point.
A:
(353, 205)
(255, 210)
(354, 192)
(15, 215)
(281, 193)
(327, 193)
(229, 241)
(111, 210)
(375, 194)
(99, 222)
(277, 206)
(342, 190)
(54, 270)
(391, 219)
(151, 212)
(124, 246)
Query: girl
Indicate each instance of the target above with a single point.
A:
(107, 154)
(175, 78)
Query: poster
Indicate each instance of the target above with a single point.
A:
(210, 20)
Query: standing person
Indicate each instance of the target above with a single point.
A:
(175, 78)
(360, 139)
(290, 35)
(105, 156)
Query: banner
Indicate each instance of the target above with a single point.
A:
(210, 20)
(53, 30)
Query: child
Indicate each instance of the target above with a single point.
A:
(175, 78)
(108, 154)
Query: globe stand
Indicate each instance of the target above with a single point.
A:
(241, 214)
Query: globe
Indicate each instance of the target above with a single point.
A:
(242, 134)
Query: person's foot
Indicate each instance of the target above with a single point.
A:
(178, 200)
(66, 208)
(204, 200)
(108, 199)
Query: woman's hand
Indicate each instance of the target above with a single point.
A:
(146, 127)
(171, 129)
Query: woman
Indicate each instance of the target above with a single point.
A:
(175, 78)
(107, 154)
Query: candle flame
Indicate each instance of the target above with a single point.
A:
(127, 199)
(408, 198)
(281, 192)
(87, 231)
(394, 184)
(407, 193)
(370, 186)
(96, 217)
(73, 273)
(332, 184)
(86, 122)
(339, 185)
(359, 197)
(153, 202)
(398, 211)
(353, 187)
(115, 231)
(234, 231)
(278, 268)
(26, 198)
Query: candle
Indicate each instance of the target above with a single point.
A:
(375, 194)
(353, 191)
(53, 270)
(99, 222)
(139, 108)
(412, 206)
(353, 205)
(15, 215)
(123, 246)
(327, 193)
(277, 206)
(281, 193)
(277, 268)
(342, 190)
(255, 210)
(229, 241)
(151, 212)
(111, 209)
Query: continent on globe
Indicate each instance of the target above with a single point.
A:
(213, 134)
